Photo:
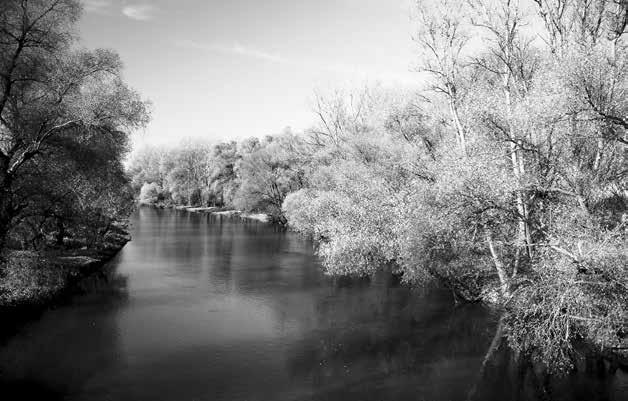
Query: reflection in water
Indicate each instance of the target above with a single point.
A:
(53, 357)
(200, 307)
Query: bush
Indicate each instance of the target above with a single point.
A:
(150, 193)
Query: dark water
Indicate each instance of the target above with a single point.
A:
(203, 308)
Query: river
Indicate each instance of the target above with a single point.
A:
(199, 307)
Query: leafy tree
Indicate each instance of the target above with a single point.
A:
(269, 173)
(49, 89)
(147, 166)
(512, 190)
(222, 173)
(150, 193)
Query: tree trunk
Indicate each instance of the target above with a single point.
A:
(453, 109)
(490, 354)
(6, 205)
(504, 282)
(518, 168)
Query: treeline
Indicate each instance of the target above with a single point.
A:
(250, 175)
(65, 115)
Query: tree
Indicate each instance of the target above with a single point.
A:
(188, 170)
(221, 180)
(268, 174)
(49, 88)
(79, 189)
(442, 40)
(147, 165)
(149, 194)
(517, 196)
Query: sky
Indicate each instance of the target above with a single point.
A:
(223, 69)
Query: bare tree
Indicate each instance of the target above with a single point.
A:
(508, 58)
(442, 39)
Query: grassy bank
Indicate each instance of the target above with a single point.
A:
(34, 280)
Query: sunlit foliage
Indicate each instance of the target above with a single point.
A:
(505, 179)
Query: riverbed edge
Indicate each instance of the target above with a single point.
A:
(215, 210)
(71, 269)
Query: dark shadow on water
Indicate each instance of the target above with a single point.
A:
(38, 363)
(104, 285)
(386, 344)
(19, 390)
(503, 375)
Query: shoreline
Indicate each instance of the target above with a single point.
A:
(216, 211)
(50, 279)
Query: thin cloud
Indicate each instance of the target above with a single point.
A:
(354, 71)
(139, 12)
(97, 6)
(259, 54)
(236, 48)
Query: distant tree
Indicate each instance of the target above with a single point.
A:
(221, 180)
(269, 173)
(147, 165)
(149, 194)
(195, 197)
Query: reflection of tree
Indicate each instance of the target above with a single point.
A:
(376, 340)
(107, 286)
(60, 354)
(386, 341)
(220, 275)
(267, 262)
(505, 375)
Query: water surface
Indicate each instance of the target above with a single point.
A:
(206, 308)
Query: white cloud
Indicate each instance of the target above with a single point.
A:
(140, 12)
(259, 54)
(236, 48)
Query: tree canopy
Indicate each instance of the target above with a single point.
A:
(65, 116)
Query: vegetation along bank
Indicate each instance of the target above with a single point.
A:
(65, 118)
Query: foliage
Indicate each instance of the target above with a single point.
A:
(250, 175)
(64, 117)
(150, 193)
(513, 189)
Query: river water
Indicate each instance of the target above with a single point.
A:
(199, 307)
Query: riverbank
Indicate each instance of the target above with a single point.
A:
(217, 211)
(34, 281)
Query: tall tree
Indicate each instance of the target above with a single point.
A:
(49, 87)
(442, 39)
